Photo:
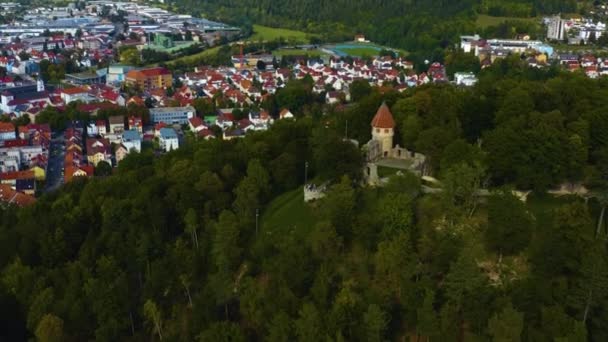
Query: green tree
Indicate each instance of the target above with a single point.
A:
(103, 169)
(359, 89)
(191, 227)
(280, 328)
(376, 322)
(506, 325)
(427, 324)
(222, 332)
(225, 248)
(338, 206)
(509, 226)
(152, 313)
(50, 329)
(251, 193)
(309, 326)
(461, 185)
(394, 264)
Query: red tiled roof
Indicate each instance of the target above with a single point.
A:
(95, 146)
(74, 90)
(6, 127)
(17, 175)
(196, 121)
(8, 195)
(383, 118)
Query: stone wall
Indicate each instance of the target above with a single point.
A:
(313, 192)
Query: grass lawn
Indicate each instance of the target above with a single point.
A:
(288, 211)
(484, 21)
(360, 51)
(192, 59)
(384, 171)
(265, 33)
(298, 52)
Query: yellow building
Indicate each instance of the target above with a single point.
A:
(147, 79)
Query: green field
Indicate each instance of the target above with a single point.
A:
(360, 51)
(484, 21)
(265, 33)
(192, 59)
(298, 52)
(288, 211)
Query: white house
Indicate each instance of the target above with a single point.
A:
(131, 140)
(168, 140)
(75, 94)
(467, 79)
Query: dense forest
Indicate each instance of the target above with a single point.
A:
(184, 247)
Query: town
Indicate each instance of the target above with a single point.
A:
(76, 98)
(303, 170)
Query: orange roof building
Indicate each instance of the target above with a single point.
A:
(10, 196)
(148, 79)
(383, 118)
(383, 129)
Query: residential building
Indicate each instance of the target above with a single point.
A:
(117, 73)
(77, 171)
(75, 94)
(168, 139)
(136, 124)
(556, 28)
(467, 79)
(7, 131)
(86, 78)
(131, 139)
(121, 153)
(24, 94)
(152, 78)
(101, 127)
(196, 124)
(98, 150)
(26, 186)
(117, 124)
(172, 115)
(12, 197)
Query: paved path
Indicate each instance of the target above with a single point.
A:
(54, 174)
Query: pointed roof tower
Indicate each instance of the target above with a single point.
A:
(383, 118)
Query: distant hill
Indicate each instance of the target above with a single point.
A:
(423, 26)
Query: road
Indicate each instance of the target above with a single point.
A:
(54, 174)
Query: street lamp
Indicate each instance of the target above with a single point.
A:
(305, 173)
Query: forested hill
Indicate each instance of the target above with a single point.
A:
(172, 248)
(408, 24)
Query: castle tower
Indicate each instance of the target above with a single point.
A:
(383, 129)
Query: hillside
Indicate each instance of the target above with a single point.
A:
(213, 242)
(407, 24)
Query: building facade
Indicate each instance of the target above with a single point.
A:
(168, 140)
(148, 79)
(172, 115)
(383, 129)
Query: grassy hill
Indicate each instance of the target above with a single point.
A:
(484, 21)
(288, 211)
(265, 33)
